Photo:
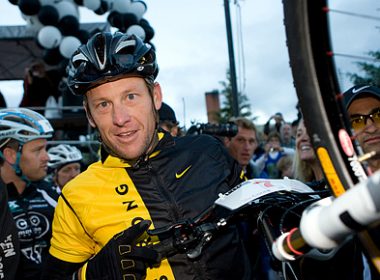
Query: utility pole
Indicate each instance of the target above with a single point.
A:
(235, 102)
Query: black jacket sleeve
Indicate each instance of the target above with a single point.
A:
(267, 127)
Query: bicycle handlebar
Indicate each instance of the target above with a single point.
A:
(328, 222)
(191, 235)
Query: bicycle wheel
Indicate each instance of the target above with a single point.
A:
(315, 80)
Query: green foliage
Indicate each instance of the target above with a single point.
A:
(371, 71)
(226, 111)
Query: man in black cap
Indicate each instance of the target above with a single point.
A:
(168, 120)
(362, 103)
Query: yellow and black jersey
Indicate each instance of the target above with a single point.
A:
(182, 177)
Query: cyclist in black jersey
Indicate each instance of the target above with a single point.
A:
(145, 178)
(23, 139)
(9, 243)
(65, 163)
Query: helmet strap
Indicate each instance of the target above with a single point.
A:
(17, 168)
(145, 155)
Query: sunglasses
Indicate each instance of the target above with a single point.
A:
(359, 122)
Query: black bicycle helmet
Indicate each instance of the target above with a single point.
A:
(107, 57)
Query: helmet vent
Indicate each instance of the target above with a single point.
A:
(100, 51)
(78, 59)
(126, 47)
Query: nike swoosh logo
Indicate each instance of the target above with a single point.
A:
(179, 175)
(355, 90)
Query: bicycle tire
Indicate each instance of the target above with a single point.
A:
(319, 95)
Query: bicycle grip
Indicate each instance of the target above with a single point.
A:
(164, 249)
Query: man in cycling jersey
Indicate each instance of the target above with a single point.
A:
(23, 140)
(363, 106)
(65, 162)
(145, 178)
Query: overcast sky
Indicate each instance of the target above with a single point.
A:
(190, 38)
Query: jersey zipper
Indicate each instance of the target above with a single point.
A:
(197, 268)
(166, 194)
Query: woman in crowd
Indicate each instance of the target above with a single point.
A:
(347, 261)
(306, 165)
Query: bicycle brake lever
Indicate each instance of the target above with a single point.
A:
(167, 247)
(194, 253)
(190, 242)
(177, 238)
(188, 236)
(181, 228)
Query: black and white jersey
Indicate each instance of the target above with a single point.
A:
(33, 212)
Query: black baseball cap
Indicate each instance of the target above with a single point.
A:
(166, 113)
(360, 91)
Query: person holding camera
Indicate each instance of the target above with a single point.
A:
(274, 151)
(278, 122)
(145, 178)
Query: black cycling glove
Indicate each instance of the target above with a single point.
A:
(120, 258)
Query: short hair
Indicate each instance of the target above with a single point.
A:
(284, 162)
(274, 134)
(295, 122)
(244, 123)
(10, 143)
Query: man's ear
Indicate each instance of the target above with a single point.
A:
(10, 155)
(226, 141)
(88, 114)
(157, 96)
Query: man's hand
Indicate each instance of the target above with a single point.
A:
(120, 258)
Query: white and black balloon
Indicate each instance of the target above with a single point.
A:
(136, 30)
(52, 56)
(49, 37)
(121, 6)
(48, 15)
(92, 4)
(69, 45)
(56, 23)
(138, 8)
(29, 7)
